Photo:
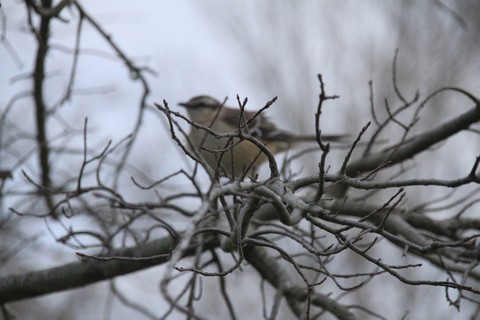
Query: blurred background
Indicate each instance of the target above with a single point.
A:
(254, 49)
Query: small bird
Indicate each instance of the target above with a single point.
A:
(233, 157)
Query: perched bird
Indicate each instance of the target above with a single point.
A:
(233, 157)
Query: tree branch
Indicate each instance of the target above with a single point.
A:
(85, 272)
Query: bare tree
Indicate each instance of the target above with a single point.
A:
(317, 243)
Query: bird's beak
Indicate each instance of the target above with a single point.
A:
(183, 104)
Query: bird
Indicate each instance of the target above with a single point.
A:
(234, 157)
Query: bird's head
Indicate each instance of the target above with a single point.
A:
(201, 108)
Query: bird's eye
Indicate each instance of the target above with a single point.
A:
(256, 132)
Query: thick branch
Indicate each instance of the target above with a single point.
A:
(40, 106)
(78, 274)
(416, 144)
(281, 279)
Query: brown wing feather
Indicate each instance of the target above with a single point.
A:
(261, 127)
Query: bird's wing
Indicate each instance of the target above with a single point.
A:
(262, 128)
(259, 126)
